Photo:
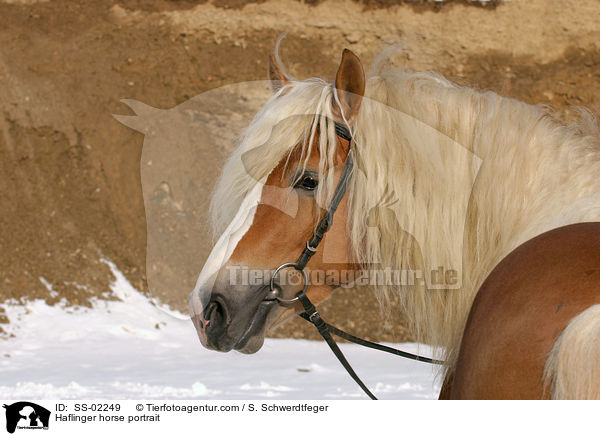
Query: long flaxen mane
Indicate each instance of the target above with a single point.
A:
(535, 174)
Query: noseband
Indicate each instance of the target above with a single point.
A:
(310, 313)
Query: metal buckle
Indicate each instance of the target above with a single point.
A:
(315, 314)
(284, 266)
(309, 248)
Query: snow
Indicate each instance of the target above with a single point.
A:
(135, 348)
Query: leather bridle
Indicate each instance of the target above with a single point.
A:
(310, 312)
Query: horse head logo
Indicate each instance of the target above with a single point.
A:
(28, 415)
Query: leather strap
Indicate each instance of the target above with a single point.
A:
(327, 220)
(349, 337)
(312, 315)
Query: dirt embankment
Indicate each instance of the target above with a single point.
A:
(70, 173)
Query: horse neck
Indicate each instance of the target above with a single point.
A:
(526, 171)
(524, 186)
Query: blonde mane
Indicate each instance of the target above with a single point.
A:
(536, 174)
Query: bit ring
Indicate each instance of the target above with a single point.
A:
(282, 267)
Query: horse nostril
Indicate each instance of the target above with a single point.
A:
(215, 313)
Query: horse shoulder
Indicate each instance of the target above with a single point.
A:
(522, 308)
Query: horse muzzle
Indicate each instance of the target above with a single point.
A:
(233, 319)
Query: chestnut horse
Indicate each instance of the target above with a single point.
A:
(500, 194)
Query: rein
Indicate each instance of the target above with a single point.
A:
(310, 312)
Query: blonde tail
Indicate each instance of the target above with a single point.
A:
(572, 369)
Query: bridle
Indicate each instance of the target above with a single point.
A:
(310, 312)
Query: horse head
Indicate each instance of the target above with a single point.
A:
(289, 162)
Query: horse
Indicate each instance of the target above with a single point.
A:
(502, 195)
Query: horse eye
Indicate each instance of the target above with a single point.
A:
(307, 183)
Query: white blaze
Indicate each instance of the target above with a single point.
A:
(226, 244)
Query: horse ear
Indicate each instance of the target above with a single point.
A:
(277, 78)
(349, 86)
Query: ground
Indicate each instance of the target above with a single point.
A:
(70, 173)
